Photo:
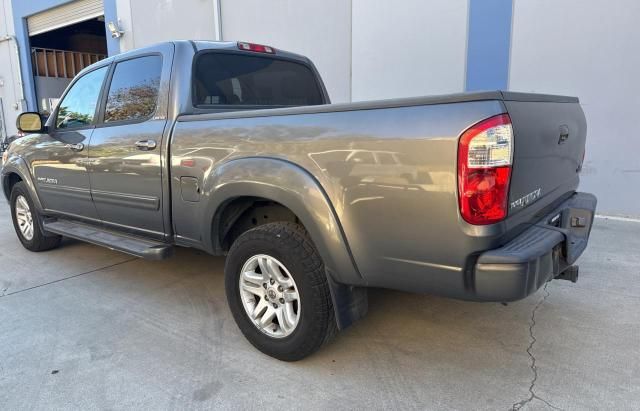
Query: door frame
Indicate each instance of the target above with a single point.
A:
(166, 51)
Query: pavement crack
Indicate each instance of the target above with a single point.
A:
(69, 278)
(534, 368)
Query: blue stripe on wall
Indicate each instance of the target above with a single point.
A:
(489, 41)
(111, 14)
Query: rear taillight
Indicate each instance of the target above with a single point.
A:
(258, 48)
(485, 153)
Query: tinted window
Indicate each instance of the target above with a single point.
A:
(79, 104)
(235, 79)
(133, 92)
(385, 158)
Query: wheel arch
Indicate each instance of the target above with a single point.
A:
(286, 184)
(240, 214)
(244, 181)
(8, 181)
(16, 170)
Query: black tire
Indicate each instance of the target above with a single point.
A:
(290, 244)
(39, 242)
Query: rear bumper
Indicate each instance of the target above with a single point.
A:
(539, 254)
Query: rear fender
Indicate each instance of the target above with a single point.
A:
(293, 187)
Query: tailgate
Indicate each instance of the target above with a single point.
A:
(549, 143)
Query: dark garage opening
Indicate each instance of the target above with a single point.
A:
(58, 55)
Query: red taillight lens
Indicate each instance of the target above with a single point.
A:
(484, 169)
(258, 48)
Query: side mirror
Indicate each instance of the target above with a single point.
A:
(30, 123)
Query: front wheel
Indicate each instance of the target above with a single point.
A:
(26, 221)
(277, 291)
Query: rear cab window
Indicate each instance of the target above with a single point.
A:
(133, 92)
(231, 79)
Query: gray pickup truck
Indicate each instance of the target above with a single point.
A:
(234, 149)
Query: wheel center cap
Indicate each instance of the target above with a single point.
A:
(272, 293)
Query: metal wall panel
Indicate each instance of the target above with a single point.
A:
(588, 49)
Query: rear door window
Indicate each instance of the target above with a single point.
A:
(133, 93)
(223, 79)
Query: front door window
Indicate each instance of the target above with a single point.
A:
(78, 107)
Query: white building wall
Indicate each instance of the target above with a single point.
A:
(374, 49)
(148, 22)
(588, 49)
(320, 30)
(9, 85)
(414, 48)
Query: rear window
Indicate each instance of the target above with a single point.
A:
(244, 80)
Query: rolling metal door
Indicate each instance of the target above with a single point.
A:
(64, 15)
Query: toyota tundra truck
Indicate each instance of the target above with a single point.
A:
(233, 148)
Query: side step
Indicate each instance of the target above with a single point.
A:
(147, 249)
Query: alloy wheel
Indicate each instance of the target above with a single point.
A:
(270, 296)
(24, 217)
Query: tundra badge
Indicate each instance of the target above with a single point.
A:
(527, 199)
(564, 134)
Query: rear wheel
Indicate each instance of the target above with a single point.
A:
(278, 292)
(26, 221)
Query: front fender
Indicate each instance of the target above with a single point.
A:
(293, 187)
(17, 165)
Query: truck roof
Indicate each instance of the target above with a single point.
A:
(200, 45)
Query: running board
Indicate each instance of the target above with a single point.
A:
(147, 249)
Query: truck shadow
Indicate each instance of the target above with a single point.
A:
(401, 328)
(398, 325)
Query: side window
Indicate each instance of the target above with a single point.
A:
(385, 159)
(133, 92)
(79, 104)
(361, 157)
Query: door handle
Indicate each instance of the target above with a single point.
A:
(75, 147)
(145, 145)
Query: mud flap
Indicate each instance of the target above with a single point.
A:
(350, 303)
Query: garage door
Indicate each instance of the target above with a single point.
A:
(64, 15)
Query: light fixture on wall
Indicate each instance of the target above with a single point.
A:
(115, 30)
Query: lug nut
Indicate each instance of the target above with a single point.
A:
(272, 281)
(264, 285)
(275, 305)
(282, 301)
(280, 288)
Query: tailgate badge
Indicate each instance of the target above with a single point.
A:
(564, 134)
(527, 199)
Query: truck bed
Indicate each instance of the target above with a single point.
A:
(381, 104)
(389, 170)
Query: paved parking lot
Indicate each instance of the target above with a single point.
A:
(87, 328)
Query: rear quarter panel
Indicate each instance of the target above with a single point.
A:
(390, 174)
